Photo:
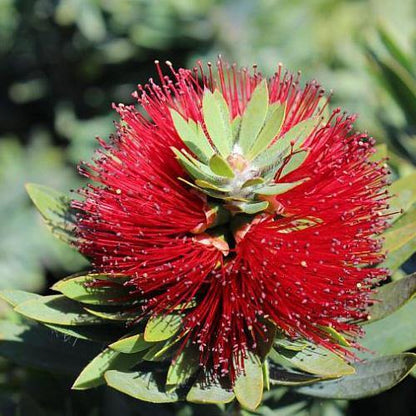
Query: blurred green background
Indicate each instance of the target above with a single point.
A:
(63, 62)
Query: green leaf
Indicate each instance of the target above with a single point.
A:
(162, 327)
(278, 188)
(400, 83)
(248, 386)
(183, 368)
(317, 360)
(252, 182)
(391, 297)
(393, 334)
(221, 167)
(335, 335)
(93, 333)
(37, 347)
(284, 377)
(131, 344)
(295, 162)
(217, 121)
(81, 289)
(148, 387)
(121, 316)
(270, 130)
(404, 191)
(57, 310)
(161, 351)
(193, 136)
(93, 374)
(209, 185)
(194, 171)
(211, 392)
(400, 244)
(55, 209)
(371, 377)
(394, 49)
(296, 135)
(254, 116)
(253, 208)
(13, 296)
(235, 128)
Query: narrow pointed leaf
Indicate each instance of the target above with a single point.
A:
(148, 387)
(270, 130)
(284, 377)
(248, 387)
(14, 296)
(56, 309)
(161, 351)
(254, 117)
(371, 377)
(391, 297)
(131, 344)
(189, 166)
(192, 136)
(82, 289)
(162, 327)
(221, 167)
(235, 128)
(120, 316)
(395, 50)
(278, 188)
(208, 185)
(217, 121)
(296, 135)
(295, 162)
(93, 374)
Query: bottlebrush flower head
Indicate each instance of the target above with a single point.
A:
(233, 200)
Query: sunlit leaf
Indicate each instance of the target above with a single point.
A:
(57, 310)
(248, 387)
(254, 116)
(217, 121)
(148, 387)
(93, 374)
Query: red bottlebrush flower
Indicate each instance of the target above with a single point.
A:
(235, 192)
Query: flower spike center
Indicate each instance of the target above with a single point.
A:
(236, 161)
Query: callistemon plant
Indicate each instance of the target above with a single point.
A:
(233, 224)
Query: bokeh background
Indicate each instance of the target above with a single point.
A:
(63, 63)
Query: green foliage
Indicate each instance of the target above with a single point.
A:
(109, 47)
(371, 377)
